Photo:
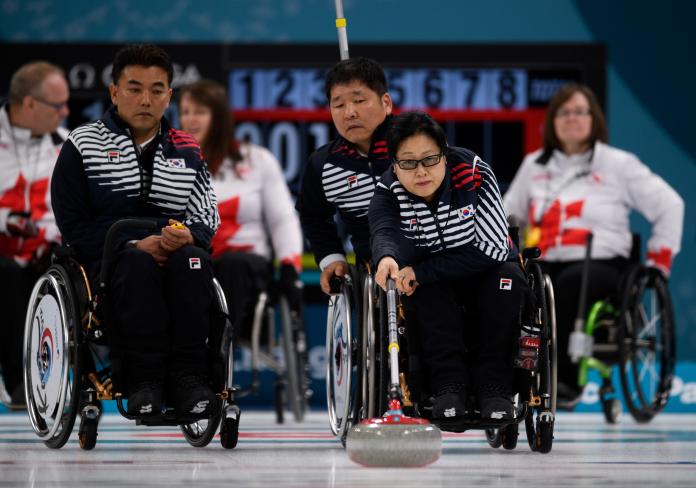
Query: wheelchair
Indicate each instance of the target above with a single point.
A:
(66, 358)
(357, 372)
(292, 383)
(634, 331)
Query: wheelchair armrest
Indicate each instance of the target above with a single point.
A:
(531, 253)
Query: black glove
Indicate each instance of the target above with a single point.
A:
(19, 224)
(291, 286)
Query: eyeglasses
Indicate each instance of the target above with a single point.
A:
(577, 112)
(410, 164)
(55, 106)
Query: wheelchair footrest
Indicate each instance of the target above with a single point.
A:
(473, 421)
(168, 418)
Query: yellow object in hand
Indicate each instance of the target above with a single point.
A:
(178, 225)
(533, 236)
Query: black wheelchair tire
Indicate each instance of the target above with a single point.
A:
(229, 433)
(198, 437)
(295, 368)
(494, 438)
(644, 406)
(611, 408)
(87, 435)
(509, 435)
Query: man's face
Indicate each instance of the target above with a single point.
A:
(357, 111)
(49, 105)
(141, 95)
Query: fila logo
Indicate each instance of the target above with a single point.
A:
(113, 156)
(176, 163)
(195, 263)
(466, 212)
(505, 284)
(352, 180)
(412, 224)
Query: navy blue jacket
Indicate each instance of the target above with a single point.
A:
(339, 179)
(100, 178)
(464, 234)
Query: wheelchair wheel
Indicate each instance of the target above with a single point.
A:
(539, 430)
(87, 435)
(374, 386)
(646, 343)
(200, 433)
(494, 438)
(294, 348)
(339, 359)
(229, 432)
(509, 435)
(52, 362)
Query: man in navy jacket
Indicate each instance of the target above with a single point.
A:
(132, 164)
(340, 177)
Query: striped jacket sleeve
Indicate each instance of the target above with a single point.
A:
(383, 216)
(317, 213)
(491, 223)
(202, 216)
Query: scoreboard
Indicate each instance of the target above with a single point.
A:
(488, 97)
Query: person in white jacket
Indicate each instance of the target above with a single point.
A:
(30, 139)
(575, 185)
(258, 219)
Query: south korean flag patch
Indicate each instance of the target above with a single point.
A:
(195, 263)
(466, 212)
(176, 163)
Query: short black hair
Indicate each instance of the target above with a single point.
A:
(364, 70)
(409, 124)
(142, 55)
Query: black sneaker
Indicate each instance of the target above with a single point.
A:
(449, 402)
(192, 395)
(496, 403)
(146, 398)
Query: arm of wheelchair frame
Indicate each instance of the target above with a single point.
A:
(112, 239)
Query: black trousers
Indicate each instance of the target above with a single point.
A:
(475, 346)
(160, 315)
(243, 276)
(16, 283)
(604, 279)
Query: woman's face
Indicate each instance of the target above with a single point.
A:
(195, 118)
(573, 122)
(421, 181)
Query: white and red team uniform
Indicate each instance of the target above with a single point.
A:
(569, 196)
(256, 210)
(26, 166)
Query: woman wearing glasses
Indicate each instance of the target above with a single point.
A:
(575, 185)
(438, 228)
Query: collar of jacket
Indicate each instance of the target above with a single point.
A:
(378, 143)
(116, 124)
